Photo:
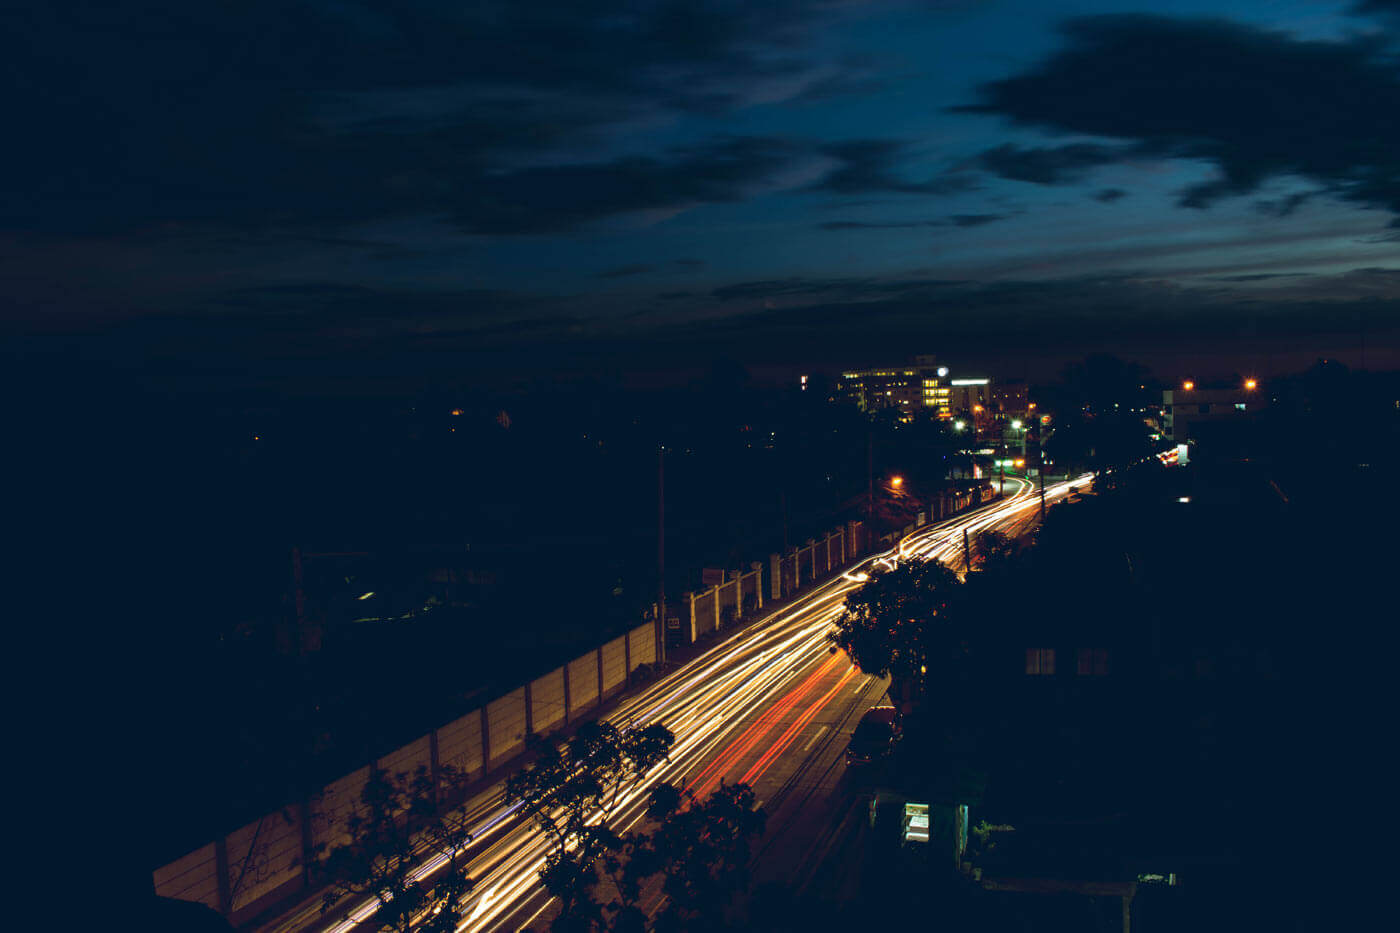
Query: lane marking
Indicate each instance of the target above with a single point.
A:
(813, 739)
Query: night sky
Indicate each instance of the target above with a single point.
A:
(350, 195)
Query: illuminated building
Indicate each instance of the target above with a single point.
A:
(923, 385)
(1185, 410)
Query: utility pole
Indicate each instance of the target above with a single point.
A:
(870, 475)
(1040, 459)
(967, 553)
(782, 505)
(661, 554)
(1002, 490)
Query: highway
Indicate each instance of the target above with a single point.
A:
(769, 705)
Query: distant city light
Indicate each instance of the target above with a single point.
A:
(1188, 385)
(897, 481)
(1183, 499)
(958, 425)
(456, 411)
(1250, 385)
(942, 372)
(1016, 424)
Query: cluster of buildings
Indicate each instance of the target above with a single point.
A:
(924, 386)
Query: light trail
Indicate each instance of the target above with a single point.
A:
(704, 703)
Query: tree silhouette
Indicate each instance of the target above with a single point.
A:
(391, 828)
(572, 793)
(701, 850)
(905, 624)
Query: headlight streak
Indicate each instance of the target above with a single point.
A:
(705, 702)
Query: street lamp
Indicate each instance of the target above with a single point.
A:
(896, 481)
(1188, 385)
(1016, 425)
(958, 425)
(1250, 385)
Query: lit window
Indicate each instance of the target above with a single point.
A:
(1040, 661)
(1092, 662)
(1239, 406)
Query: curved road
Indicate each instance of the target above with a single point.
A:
(769, 705)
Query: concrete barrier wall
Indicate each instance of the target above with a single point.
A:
(614, 664)
(788, 567)
(267, 858)
(192, 877)
(547, 701)
(505, 722)
(751, 585)
(728, 595)
(643, 645)
(333, 806)
(263, 857)
(459, 744)
(583, 682)
(407, 760)
(703, 618)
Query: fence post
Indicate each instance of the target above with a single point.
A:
(485, 739)
(568, 703)
(775, 576)
(758, 582)
(529, 711)
(434, 769)
(221, 869)
(690, 598)
(627, 655)
(304, 805)
(714, 593)
(599, 652)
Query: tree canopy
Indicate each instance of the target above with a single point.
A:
(903, 623)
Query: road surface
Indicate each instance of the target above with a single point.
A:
(769, 705)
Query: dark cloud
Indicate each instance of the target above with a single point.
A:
(1260, 276)
(1109, 195)
(872, 165)
(876, 225)
(1283, 207)
(690, 263)
(1254, 103)
(956, 220)
(1055, 165)
(315, 113)
(618, 272)
(975, 220)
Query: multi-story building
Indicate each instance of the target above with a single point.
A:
(972, 396)
(1187, 408)
(1011, 399)
(886, 387)
(919, 386)
(910, 387)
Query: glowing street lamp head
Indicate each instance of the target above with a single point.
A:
(1188, 385)
(896, 481)
(1016, 425)
(1250, 385)
(958, 425)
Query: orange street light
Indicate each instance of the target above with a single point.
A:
(1250, 385)
(897, 481)
(1188, 385)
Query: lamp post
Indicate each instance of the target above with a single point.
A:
(661, 554)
